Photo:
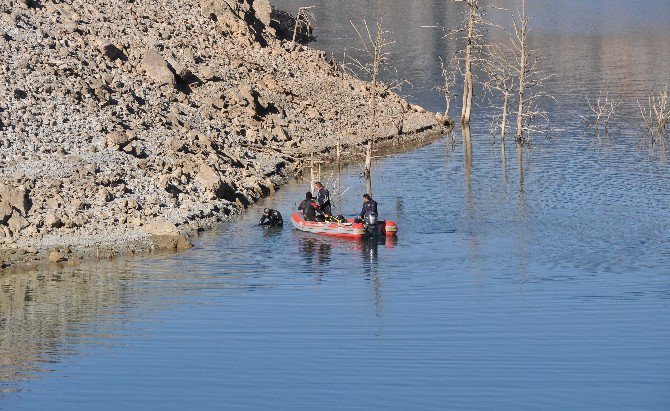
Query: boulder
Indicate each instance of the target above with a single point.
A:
(209, 73)
(280, 134)
(104, 196)
(245, 96)
(52, 220)
(249, 19)
(79, 220)
(135, 150)
(6, 211)
(17, 223)
(417, 108)
(213, 184)
(156, 67)
(444, 121)
(117, 139)
(17, 197)
(208, 178)
(263, 13)
(247, 93)
(132, 204)
(57, 257)
(162, 228)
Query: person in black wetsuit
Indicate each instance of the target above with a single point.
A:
(323, 199)
(308, 207)
(369, 206)
(271, 218)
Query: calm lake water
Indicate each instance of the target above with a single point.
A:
(537, 282)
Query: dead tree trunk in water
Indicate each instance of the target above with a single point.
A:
(446, 88)
(530, 79)
(374, 50)
(500, 71)
(523, 67)
(467, 75)
(377, 50)
(338, 155)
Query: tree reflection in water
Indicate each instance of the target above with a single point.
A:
(317, 252)
(370, 251)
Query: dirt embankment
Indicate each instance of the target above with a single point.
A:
(127, 126)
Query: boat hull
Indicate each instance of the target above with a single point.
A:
(350, 229)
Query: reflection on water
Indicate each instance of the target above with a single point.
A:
(35, 315)
(271, 231)
(467, 161)
(44, 315)
(316, 251)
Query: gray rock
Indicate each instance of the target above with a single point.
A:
(52, 221)
(17, 197)
(17, 223)
(118, 139)
(156, 67)
(57, 257)
(6, 211)
(104, 196)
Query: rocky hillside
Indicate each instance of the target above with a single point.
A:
(125, 120)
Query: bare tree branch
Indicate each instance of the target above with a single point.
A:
(602, 111)
(656, 113)
(448, 85)
(371, 65)
(304, 22)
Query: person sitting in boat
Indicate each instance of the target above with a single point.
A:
(308, 207)
(323, 199)
(271, 218)
(369, 207)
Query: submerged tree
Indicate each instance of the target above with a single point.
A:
(447, 89)
(656, 113)
(371, 62)
(473, 6)
(501, 75)
(304, 23)
(602, 111)
(513, 72)
(471, 33)
(530, 78)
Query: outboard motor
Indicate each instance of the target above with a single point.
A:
(371, 224)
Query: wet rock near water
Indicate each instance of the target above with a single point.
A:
(121, 115)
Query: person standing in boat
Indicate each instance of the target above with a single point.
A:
(323, 199)
(271, 218)
(369, 206)
(308, 207)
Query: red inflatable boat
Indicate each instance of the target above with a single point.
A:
(350, 229)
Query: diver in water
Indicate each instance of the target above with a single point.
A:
(271, 218)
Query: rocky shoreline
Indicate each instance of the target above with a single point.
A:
(127, 127)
